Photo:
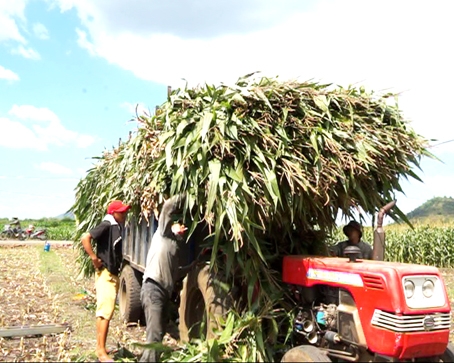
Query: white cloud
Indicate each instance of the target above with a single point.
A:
(40, 31)
(8, 74)
(29, 112)
(46, 129)
(84, 43)
(15, 135)
(11, 12)
(401, 46)
(54, 168)
(28, 53)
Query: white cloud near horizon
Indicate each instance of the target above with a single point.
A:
(8, 74)
(54, 168)
(399, 46)
(46, 129)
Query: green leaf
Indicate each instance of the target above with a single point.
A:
(215, 169)
(206, 124)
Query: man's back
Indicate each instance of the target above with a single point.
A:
(162, 261)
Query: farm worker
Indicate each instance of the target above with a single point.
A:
(353, 231)
(162, 271)
(15, 223)
(107, 261)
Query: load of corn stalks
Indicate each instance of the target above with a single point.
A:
(268, 165)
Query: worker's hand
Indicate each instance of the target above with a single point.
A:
(97, 262)
(178, 229)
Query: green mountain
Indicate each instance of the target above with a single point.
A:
(435, 208)
(67, 215)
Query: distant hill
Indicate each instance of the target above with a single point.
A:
(435, 208)
(69, 215)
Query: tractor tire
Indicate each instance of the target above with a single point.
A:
(448, 355)
(305, 353)
(129, 295)
(202, 303)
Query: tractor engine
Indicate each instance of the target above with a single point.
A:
(312, 324)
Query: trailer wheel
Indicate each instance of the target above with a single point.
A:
(202, 302)
(305, 353)
(129, 299)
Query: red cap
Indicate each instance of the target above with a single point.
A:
(117, 206)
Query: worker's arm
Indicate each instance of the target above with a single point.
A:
(86, 242)
(165, 222)
(183, 270)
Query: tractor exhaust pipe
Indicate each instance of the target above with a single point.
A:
(378, 253)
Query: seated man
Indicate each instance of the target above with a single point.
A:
(353, 231)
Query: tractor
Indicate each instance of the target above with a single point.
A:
(355, 310)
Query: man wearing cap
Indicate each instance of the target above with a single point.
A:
(107, 262)
(353, 231)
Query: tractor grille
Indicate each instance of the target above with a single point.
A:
(411, 323)
(373, 282)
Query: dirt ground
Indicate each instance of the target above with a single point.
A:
(39, 288)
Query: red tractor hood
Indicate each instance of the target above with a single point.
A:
(378, 279)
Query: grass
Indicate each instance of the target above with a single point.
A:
(60, 273)
(61, 280)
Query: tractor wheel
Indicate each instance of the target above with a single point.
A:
(305, 353)
(129, 291)
(448, 355)
(202, 302)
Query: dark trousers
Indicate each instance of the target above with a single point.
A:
(155, 304)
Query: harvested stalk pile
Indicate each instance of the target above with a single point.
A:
(267, 164)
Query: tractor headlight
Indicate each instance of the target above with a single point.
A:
(409, 287)
(428, 288)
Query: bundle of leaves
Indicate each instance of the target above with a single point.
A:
(268, 165)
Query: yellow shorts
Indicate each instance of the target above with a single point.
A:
(106, 286)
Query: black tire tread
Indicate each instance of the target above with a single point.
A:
(217, 301)
(305, 353)
(130, 304)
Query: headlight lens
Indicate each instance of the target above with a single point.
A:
(428, 288)
(409, 288)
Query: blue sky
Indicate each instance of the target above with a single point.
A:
(72, 72)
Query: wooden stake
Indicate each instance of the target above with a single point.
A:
(17, 331)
